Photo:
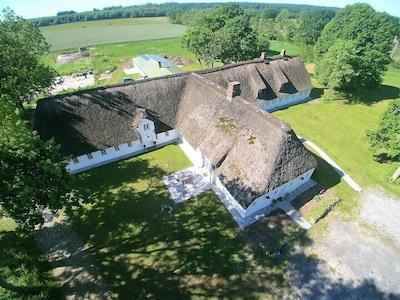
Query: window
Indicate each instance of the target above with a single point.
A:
(89, 155)
(103, 151)
(146, 126)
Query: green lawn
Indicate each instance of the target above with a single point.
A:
(339, 129)
(275, 48)
(195, 252)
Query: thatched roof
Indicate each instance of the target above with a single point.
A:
(253, 151)
(96, 119)
(264, 80)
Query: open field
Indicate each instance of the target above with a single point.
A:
(86, 34)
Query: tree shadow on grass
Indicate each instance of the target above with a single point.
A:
(317, 93)
(196, 251)
(369, 97)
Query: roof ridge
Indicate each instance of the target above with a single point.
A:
(210, 83)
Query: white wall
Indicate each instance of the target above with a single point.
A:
(267, 199)
(147, 132)
(101, 157)
(195, 155)
(230, 198)
(278, 103)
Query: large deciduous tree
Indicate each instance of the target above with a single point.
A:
(386, 139)
(311, 25)
(368, 34)
(224, 35)
(33, 175)
(22, 73)
(32, 172)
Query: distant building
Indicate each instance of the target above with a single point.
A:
(150, 66)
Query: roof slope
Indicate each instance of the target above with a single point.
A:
(264, 80)
(96, 119)
(253, 151)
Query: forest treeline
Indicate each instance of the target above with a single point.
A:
(177, 13)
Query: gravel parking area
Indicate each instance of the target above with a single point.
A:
(359, 259)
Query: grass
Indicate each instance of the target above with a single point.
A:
(195, 252)
(75, 35)
(339, 127)
(116, 57)
(275, 48)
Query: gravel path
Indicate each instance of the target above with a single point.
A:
(349, 260)
(383, 212)
(72, 265)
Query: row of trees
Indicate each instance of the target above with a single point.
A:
(230, 34)
(177, 13)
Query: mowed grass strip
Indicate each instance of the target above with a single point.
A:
(85, 34)
(195, 252)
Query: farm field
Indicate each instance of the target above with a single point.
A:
(85, 34)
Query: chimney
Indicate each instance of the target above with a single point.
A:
(283, 53)
(263, 56)
(233, 90)
(159, 64)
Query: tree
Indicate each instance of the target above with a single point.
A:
(224, 35)
(371, 35)
(338, 68)
(33, 174)
(311, 25)
(238, 40)
(386, 139)
(23, 75)
(201, 41)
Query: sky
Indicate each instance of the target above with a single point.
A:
(41, 8)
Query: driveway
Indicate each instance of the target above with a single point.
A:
(357, 259)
